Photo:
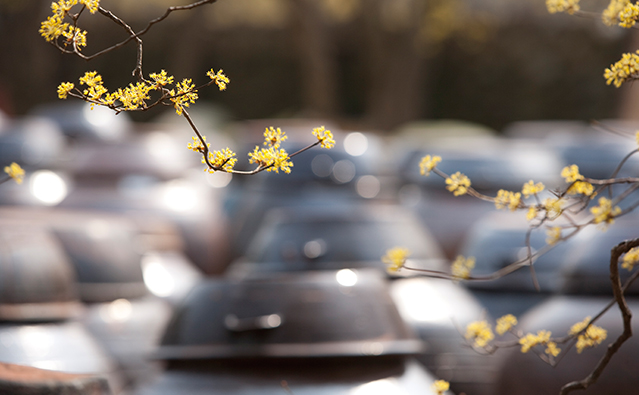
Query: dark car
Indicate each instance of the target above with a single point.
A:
(585, 291)
(40, 310)
(305, 333)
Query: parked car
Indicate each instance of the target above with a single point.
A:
(306, 333)
(39, 308)
(585, 291)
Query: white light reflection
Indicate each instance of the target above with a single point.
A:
(156, 277)
(346, 277)
(344, 171)
(36, 342)
(48, 187)
(379, 387)
(120, 310)
(368, 186)
(219, 179)
(356, 144)
(179, 196)
(410, 295)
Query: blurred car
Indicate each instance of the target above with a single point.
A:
(307, 333)
(585, 290)
(340, 236)
(491, 164)
(39, 308)
(497, 240)
(357, 236)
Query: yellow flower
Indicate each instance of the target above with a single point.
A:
(553, 207)
(396, 258)
(161, 79)
(458, 184)
(76, 35)
(530, 188)
(325, 137)
(15, 171)
(582, 187)
(628, 16)
(440, 386)
(532, 213)
(610, 15)
(569, 6)
(197, 145)
(92, 5)
(623, 70)
(605, 212)
(186, 94)
(630, 259)
(505, 323)
(552, 349)
(64, 89)
(274, 137)
(52, 28)
(529, 341)
(553, 235)
(91, 78)
(507, 199)
(272, 159)
(571, 173)
(593, 336)
(220, 79)
(224, 158)
(428, 163)
(480, 332)
(462, 267)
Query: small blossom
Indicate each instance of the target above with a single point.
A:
(396, 258)
(186, 94)
(553, 235)
(92, 5)
(532, 213)
(325, 137)
(52, 28)
(220, 79)
(569, 6)
(593, 336)
(274, 137)
(458, 184)
(64, 89)
(161, 79)
(15, 171)
(552, 349)
(224, 159)
(428, 163)
(529, 341)
(583, 187)
(610, 15)
(76, 36)
(197, 145)
(630, 259)
(440, 386)
(91, 78)
(272, 159)
(604, 212)
(507, 199)
(530, 188)
(571, 173)
(623, 70)
(480, 332)
(629, 15)
(462, 266)
(505, 323)
(553, 207)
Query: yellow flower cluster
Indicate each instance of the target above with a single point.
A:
(396, 258)
(553, 207)
(530, 188)
(462, 266)
(569, 6)
(161, 79)
(458, 184)
(505, 323)
(610, 15)
(507, 199)
(593, 336)
(572, 175)
(428, 163)
(55, 26)
(630, 259)
(224, 159)
(15, 171)
(480, 332)
(64, 89)
(440, 386)
(272, 158)
(623, 70)
(553, 235)
(629, 15)
(605, 212)
(183, 95)
(542, 337)
(325, 137)
(219, 78)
